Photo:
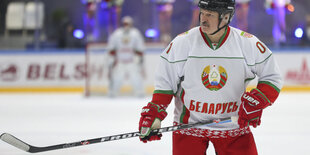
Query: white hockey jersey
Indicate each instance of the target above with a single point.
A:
(125, 43)
(208, 81)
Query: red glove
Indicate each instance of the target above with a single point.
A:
(151, 116)
(251, 108)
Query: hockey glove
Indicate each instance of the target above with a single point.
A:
(151, 116)
(251, 108)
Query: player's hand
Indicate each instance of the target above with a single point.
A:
(251, 108)
(151, 116)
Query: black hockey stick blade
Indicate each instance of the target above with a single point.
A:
(10, 139)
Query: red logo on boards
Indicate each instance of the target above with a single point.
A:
(300, 76)
(8, 72)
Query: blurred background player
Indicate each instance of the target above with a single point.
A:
(195, 14)
(113, 10)
(102, 18)
(241, 14)
(165, 10)
(278, 9)
(308, 27)
(126, 46)
(207, 70)
(91, 20)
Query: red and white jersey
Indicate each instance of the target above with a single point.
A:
(208, 81)
(125, 43)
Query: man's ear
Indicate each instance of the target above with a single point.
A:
(226, 17)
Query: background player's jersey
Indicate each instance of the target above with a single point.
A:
(208, 81)
(125, 43)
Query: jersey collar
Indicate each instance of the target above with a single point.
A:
(221, 42)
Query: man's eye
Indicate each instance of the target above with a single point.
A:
(206, 14)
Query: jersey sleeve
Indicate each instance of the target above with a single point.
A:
(112, 42)
(264, 65)
(139, 47)
(170, 70)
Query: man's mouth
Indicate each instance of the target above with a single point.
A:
(205, 24)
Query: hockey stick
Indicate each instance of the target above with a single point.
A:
(10, 139)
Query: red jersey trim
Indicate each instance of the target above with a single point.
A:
(206, 133)
(204, 37)
(222, 40)
(169, 48)
(270, 84)
(170, 92)
(269, 90)
(225, 37)
(162, 98)
(185, 112)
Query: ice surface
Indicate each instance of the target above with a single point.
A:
(49, 119)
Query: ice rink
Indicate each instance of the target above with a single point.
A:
(49, 119)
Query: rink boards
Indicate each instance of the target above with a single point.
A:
(65, 70)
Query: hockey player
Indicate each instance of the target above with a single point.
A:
(126, 46)
(195, 14)
(113, 11)
(165, 10)
(90, 20)
(242, 12)
(207, 70)
(278, 9)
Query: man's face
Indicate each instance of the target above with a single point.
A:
(209, 21)
(127, 25)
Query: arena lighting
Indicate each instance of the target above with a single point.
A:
(299, 33)
(104, 5)
(290, 8)
(79, 34)
(151, 33)
(84, 2)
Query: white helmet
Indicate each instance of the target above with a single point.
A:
(127, 20)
